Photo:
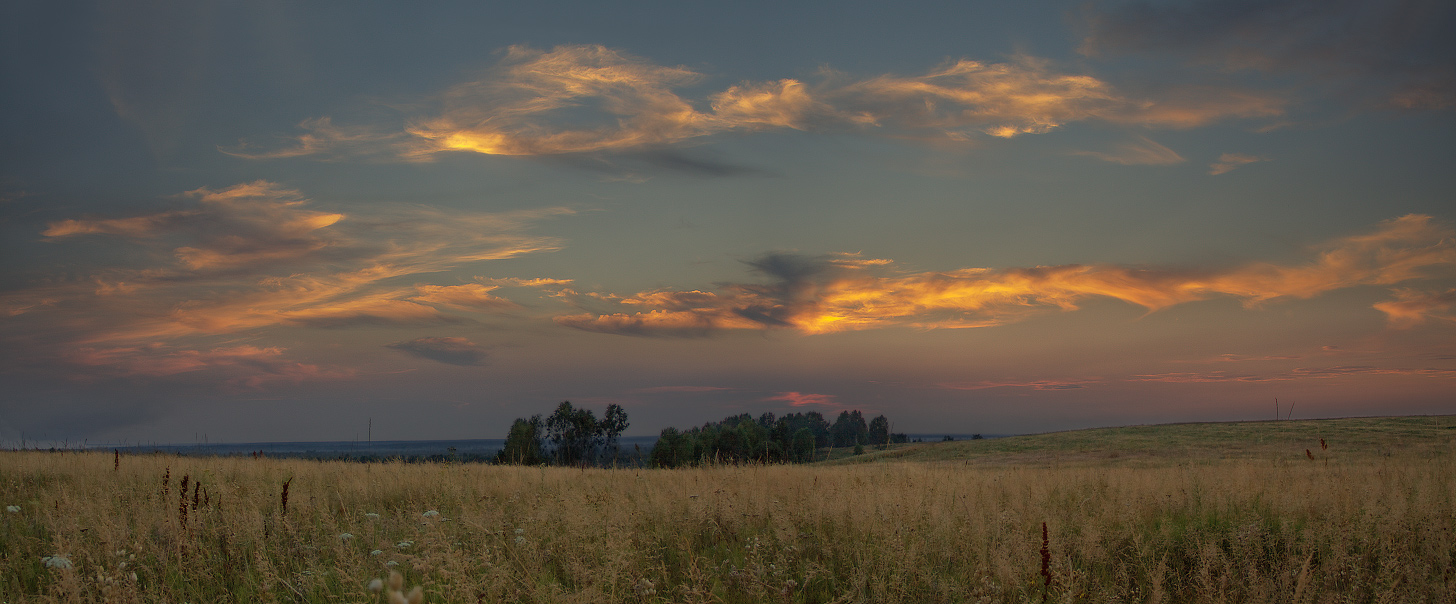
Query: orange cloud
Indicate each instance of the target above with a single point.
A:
(254, 256)
(1003, 100)
(468, 296)
(1229, 161)
(249, 366)
(1413, 307)
(243, 225)
(801, 399)
(830, 294)
(582, 98)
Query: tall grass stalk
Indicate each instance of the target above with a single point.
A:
(1358, 529)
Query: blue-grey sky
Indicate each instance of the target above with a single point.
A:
(275, 220)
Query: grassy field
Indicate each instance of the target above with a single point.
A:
(1354, 437)
(1183, 513)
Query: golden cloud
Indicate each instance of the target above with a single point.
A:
(467, 296)
(255, 255)
(1412, 307)
(582, 98)
(830, 294)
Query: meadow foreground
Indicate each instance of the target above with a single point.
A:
(78, 527)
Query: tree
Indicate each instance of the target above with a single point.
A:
(803, 448)
(669, 451)
(574, 433)
(523, 443)
(613, 423)
(849, 429)
(880, 431)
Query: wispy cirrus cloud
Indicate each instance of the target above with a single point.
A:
(1293, 374)
(845, 292)
(1412, 307)
(451, 351)
(255, 256)
(1032, 384)
(241, 365)
(1140, 152)
(804, 399)
(1229, 161)
(576, 99)
(467, 296)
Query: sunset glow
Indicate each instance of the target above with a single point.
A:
(286, 224)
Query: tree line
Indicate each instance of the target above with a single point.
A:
(792, 438)
(569, 437)
(573, 436)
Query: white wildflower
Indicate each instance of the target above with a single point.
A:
(520, 540)
(57, 561)
(520, 531)
(431, 514)
(345, 537)
(404, 544)
(13, 509)
(371, 516)
(391, 564)
(376, 552)
(644, 587)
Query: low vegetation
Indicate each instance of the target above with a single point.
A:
(1289, 521)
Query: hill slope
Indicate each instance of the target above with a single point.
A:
(1346, 437)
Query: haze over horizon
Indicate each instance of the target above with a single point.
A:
(272, 221)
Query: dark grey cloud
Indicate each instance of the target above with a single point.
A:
(1401, 51)
(451, 351)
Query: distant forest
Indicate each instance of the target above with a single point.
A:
(572, 436)
(793, 438)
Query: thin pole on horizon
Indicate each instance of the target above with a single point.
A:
(1290, 414)
(1276, 408)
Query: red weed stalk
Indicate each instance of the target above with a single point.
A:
(285, 495)
(1046, 561)
(182, 501)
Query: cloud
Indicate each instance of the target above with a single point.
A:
(252, 257)
(1229, 161)
(1293, 374)
(451, 351)
(1033, 384)
(1412, 307)
(1395, 53)
(242, 365)
(843, 292)
(582, 99)
(660, 389)
(244, 225)
(468, 296)
(801, 399)
(1142, 152)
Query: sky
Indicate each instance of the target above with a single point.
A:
(276, 221)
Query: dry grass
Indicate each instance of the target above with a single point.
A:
(1360, 528)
